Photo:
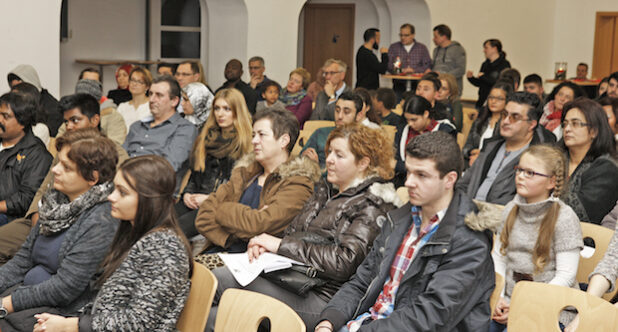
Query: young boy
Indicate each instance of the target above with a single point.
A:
(270, 95)
(533, 83)
(385, 100)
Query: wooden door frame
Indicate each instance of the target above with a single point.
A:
(350, 71)
(597, 41)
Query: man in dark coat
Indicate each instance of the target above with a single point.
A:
(233, 73)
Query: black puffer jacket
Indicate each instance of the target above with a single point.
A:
(216, 172)
(334, 232)
(22, 169)
(446, 287)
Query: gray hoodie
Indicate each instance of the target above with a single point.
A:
(28, 74)
(452, 60)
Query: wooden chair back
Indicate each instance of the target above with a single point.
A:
(242, 310)
(303, 137)
(195, 313)
(536, 307)
(312, 125)
(601, 236)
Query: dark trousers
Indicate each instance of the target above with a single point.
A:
(12, 236)
(186, 219)
(308, 308)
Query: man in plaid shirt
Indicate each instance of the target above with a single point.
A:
(430, 269)
(413, 55)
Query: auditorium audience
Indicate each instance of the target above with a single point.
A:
(270, 97)
(196, 103)
(448, 56)
(334, 71)
(420, 118)
(189, 72)
(540, 238)
(233, 73)
(122, 93)
(39, 128)
(166, 133)
(368, 67)
(90, 73)
(512, 75)
(346, 111)
(24, 160)
(449, 96)
(491, 177)
(336, 227)
(495, 63)
(428, 270)
(552, 111)
(602, 87)
(166, 68)
(295, 96)
(590, 150)
(367, 115)
(27, 74)
(487, 125)
(413, 58)
(145, 277)
(612, 85)
(137, 108)
(429, 88)
(266, 189)
(51, 272)
(225, 138)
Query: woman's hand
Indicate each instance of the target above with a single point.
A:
(188, 200)
(324, 326)
(474, 153)
(261, 244)
(501, 313)
(54, 323)
(198, 199)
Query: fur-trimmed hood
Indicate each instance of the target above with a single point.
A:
(384, 190)
(488, 217)
(295, 166)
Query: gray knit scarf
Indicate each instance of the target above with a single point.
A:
(57, 213)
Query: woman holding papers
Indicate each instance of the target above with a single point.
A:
(146, 275)
(336, 227)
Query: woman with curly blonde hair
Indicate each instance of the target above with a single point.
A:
(225, 137)
(336, 227)
(541, 237)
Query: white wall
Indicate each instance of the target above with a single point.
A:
(30, 31)
(574, 26)
(111, 29)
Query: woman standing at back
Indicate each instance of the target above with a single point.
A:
(490, 69)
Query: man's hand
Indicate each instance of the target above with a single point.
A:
(311, 154)
(255, 80)
(501, 313)
(408, 70)
(383, 50)
(329, 88)
(324, 326)
(469, 74)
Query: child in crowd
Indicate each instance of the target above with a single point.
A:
(384, 102)
(533, 83)
(541, 237)
(271, 96)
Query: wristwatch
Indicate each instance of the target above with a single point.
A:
(3, 312)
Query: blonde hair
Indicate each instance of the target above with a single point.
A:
(555, 163)
(242, 124)
(452, 85)
(302, 72)
(370, 143)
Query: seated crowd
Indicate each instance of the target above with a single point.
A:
(106, 202)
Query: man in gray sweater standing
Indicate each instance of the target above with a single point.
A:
(448, 56)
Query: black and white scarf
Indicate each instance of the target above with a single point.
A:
(57, 213)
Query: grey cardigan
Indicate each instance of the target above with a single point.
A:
(608, 266)
(85, 245)
(148, 290)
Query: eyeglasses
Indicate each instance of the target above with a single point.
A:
(327, 73)
(575, 124)
(513, 117)
(405, 34)
(183, 74)
(496, 98)
(137, 82)
(255, 68)
(528, 173)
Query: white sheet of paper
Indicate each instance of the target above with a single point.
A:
(245, 272)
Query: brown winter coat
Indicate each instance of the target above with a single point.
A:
(222, 219)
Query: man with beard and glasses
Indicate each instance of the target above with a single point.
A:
(367, 65)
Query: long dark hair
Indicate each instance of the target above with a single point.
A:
(577, 90)
(485, 112)
(154, 180)
(371, 113)
(596, 119)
